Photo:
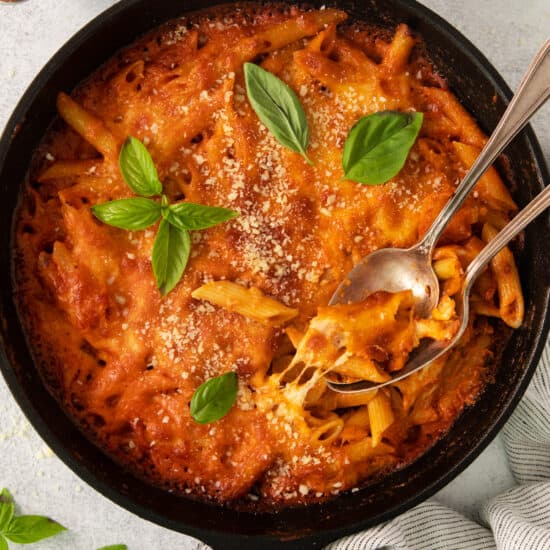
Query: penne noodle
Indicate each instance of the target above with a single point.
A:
(359, 417)
(315, 393)
(344, 400)
(327, 432)
(452, 286)
(464, 125)
(482, 307)
(91, 128)
(365, 449)
(356, 425)
(70, 169)
(510, 297)
(250, 302)
(445, 310)
(295, 335)
(486, 286)
(358, 367)
(494, 217)
(490, 186)
(438, 330)
(381, 416)
(447, 268)
(399, 51)
(286, 33)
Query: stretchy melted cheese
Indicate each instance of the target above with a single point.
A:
(125, 362)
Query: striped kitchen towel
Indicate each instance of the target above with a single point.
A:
(516, 520)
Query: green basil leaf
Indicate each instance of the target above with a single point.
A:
(138, 169)
(7, 509)
(278, 107)
(214, 398)
(3, 543)
(135, 213)
(27, 529)
(187, 215)
(377, 146)
(170, 255)
(114, 547)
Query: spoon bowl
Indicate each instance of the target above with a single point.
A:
(392, 270)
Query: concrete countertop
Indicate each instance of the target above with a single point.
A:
(508, 32)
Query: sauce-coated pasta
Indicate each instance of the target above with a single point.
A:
(124, 361)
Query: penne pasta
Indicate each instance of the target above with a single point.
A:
(327, 432)
(294, 334)
(510, 297)
(70, 169)
(250, 302)
(381, 416)
(398, 53)
(133, 363)
(91, 128)
(359, 367)
(365, 449)
(345, 400)
(490, 187)
(437, 330)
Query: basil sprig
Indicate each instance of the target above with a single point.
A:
(173, 243)
(214, 398)
(278, 107)
(23, 529)
(378, 145)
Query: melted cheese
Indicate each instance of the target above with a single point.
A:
(124, 361)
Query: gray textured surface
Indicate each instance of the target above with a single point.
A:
(508, 32)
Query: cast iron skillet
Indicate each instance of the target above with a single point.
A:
(483, 92)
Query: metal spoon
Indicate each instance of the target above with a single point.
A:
(428, 351)
(397, 269)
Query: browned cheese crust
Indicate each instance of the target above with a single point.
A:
(124, 362)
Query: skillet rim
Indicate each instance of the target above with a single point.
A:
(59, 59)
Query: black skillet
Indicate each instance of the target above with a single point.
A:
(483, 92)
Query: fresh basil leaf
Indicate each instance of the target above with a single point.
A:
(138, 169)
(114, 547)
(3, 543)
(187, 215)
(278, 107)
(7, 509)
(135, 213)
(214, 398)
(170, 255)
(377, 146)
(27, 529)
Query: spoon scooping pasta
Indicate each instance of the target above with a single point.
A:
(394, 270)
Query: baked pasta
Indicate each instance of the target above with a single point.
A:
(125, 361)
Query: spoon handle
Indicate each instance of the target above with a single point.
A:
(532, 92)
(526, 216)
